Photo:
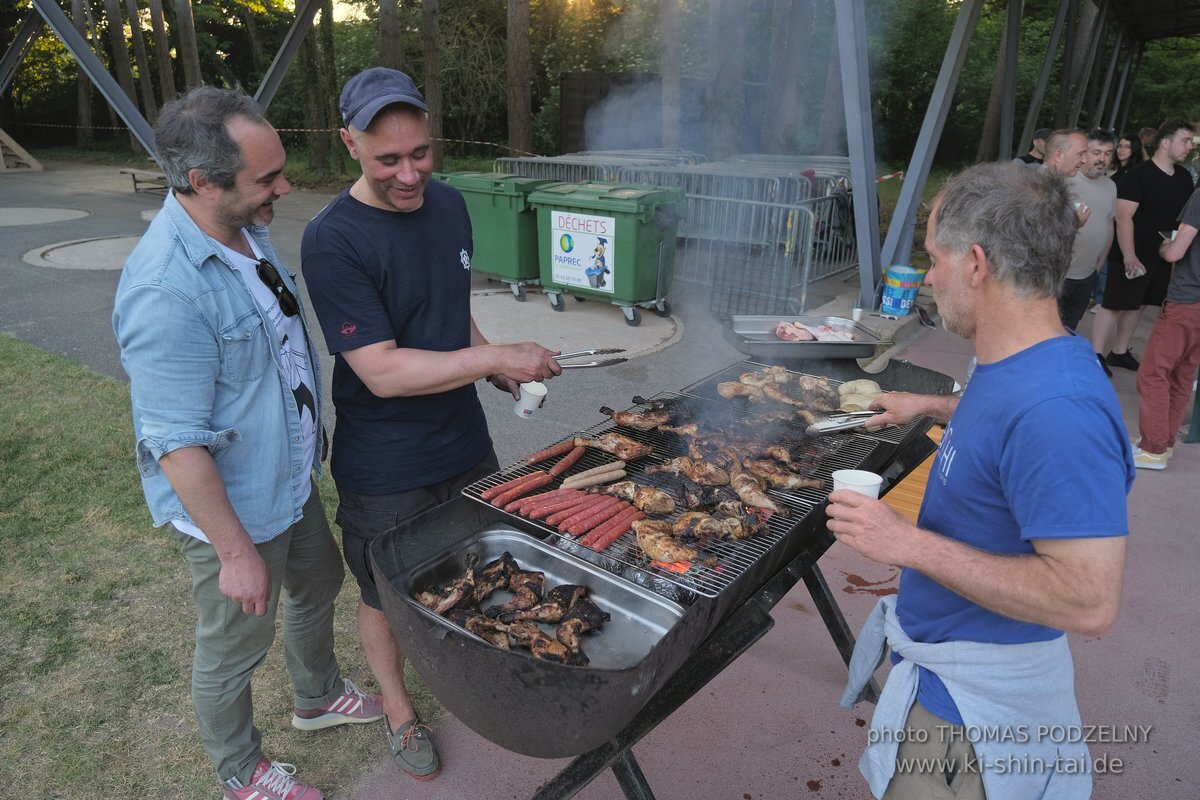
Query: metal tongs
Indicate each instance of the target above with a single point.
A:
(844, 421)
(603, 351)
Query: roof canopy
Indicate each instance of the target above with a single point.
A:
(1144, 20)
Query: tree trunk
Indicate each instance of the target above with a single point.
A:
(162, 52)
(120, 58)
(989, 141)
(143, 61)
(85, 134)
(520, 110)
(314, 109)
(93, 28)
(391, 52)
(725, 103)
(331, 90)
(189, 53)
(672, 94)
(257, 60)
(430, 33)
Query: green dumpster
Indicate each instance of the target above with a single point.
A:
(607, 241)
(503, 224)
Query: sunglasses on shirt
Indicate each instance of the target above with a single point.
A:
(270, 278)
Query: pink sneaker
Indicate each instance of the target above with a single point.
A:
(272, 780)
(351, 706)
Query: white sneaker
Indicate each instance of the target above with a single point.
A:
(1144, 460)
(1136, 441)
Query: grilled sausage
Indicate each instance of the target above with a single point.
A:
(550, 452)
(584, 512)
(609, 532)
(559, 516)
(521, 489)
(596, 519)
(495, 491)
(566, 461)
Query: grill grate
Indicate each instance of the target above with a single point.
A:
(734, 558)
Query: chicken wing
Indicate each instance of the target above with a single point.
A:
(444, 597)
(619, 445)
(779, 477)
(732, 389)
(493, 576)
(490, 630)
(554, 606)
(527, 587)
(584, 616)
(638, 420)
(701, 472)
(647, 498)
(528, 634)
(658, 543)
(751, 490)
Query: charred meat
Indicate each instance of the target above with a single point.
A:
(693, 525)
(493, 576)
(444, 597)
(701, 472)
(528, 634)
(554, 606)
(638, 420)
(647, 498)
(659, 544)
(766, 376)
(527, 587)
(779, 477)
(751, 490)
(732, 389)
(620, 446)
(584, 616)
(473, 621)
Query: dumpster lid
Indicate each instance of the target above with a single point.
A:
(592, 194)
(494, 182)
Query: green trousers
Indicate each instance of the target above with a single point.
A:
(305, 563)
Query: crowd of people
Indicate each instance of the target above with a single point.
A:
(1014, 546)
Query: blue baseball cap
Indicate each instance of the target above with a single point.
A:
(372, 90)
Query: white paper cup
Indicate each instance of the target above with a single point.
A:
(532, 396)
(857, 480)
(856, 314)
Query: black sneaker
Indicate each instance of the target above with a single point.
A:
(1103, 366)
(1126, 360)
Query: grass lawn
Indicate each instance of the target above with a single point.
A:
(96, 618)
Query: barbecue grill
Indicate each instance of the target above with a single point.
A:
(709, 614)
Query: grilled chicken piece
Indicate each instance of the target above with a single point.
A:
(777, 476)
(584, 616)
(554, 606)
(493, 576)
(820, 389)
(677, 407)
(527, 588)
(701, 472)
(646, 498)
(687, 429)
(732, 389)
(638, 420)
(695, 525)
(751, 490)
(620, 446)
(658, 543)
(765, 376)
(528, 634)
(474, 622)
(444, 597)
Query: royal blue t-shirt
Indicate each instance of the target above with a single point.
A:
(1037, 449)
(377, 276)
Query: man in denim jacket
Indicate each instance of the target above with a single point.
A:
(226, 412)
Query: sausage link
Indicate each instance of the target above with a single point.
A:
(587, 511)
(545, 497)
(566, 461)
(596, 518)
(521, 489)
(559, 516)
(550, 452)
(609, 532)
(488, 494)
(545, 509)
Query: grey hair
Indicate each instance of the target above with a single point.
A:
(1060, 140)
(191, 134)
(1022, 218)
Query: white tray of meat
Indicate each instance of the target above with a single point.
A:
(802, 337)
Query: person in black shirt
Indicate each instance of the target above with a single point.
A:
(1149, 199)
(1037, 152)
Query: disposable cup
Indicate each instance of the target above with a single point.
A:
(856, 314)
(857, 480)
(532, 396)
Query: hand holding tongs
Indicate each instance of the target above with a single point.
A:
(841, 422)
(606, 362)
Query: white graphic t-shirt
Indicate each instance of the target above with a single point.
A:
(293, 355)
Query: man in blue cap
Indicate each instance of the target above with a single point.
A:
(388, 266)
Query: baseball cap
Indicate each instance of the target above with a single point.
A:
(368, 92)
(1042, 133)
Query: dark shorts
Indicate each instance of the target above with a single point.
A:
(1073, 300)
(363, 518)
(1130, 294)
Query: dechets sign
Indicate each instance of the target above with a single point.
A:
(581, 250)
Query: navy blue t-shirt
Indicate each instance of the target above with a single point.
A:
(377, 276)
(1036, 449)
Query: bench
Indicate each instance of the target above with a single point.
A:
(145, 180)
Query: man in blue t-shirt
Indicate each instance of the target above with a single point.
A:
(388, 266)
(1021, 534)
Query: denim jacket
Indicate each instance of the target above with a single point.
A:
(204, 371)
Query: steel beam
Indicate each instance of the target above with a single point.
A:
(898, 246)
(91, 65)
(1109, 73)
(26, 35)
(1089, 64)
(1128, 85)
(1116, 114)
(1008, 102)
(1039, 91)
(305, 11)
(856, 96)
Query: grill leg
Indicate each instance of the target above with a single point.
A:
(629, 776)
(843, 638)
(734, 636)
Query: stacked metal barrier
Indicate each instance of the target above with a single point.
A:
(757, 228)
